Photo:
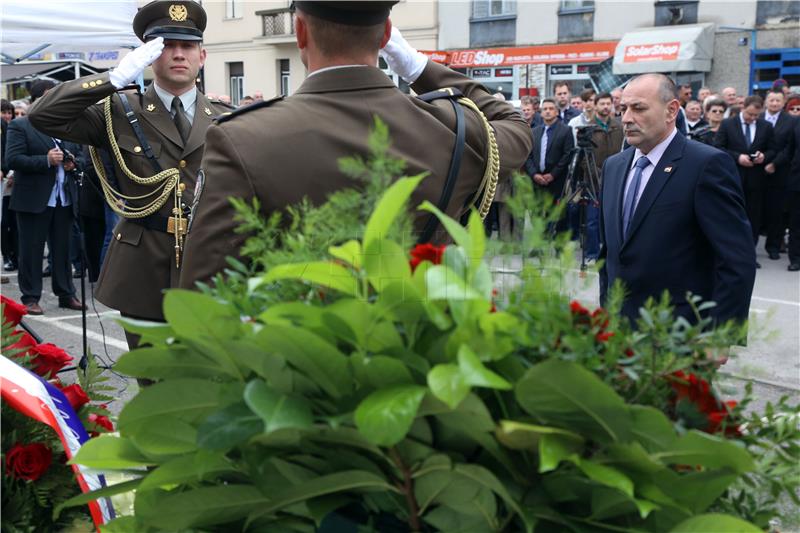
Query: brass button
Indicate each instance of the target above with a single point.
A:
(85, 85)
(92, 84)
(119, 236)
(137, 149)
(183, 187)
(182, 163)
(99, 82)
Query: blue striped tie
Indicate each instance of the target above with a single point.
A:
(633, 192)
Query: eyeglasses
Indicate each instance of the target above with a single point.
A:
(715, 111)
(794, 109)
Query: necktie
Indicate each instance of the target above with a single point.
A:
(749, 136)
(543, 151)
(633, 192)
(181, 122)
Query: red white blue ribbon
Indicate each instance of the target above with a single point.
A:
(34, 397)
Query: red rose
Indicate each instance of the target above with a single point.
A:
(75, 395)
(603, 336)
(100, 421)
(12, 311)
(426, 252)
(577, 309)
(23, 346)
(600, 318)
(28, 462)
(49, 359)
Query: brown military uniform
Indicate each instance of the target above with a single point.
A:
(288, 150)
(140, 262)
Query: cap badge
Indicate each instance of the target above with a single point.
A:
(667, 169)
(207, 111)
(178, 13)
(151, 107)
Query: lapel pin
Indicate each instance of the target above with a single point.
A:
(151, 107)
(207, 111)
(667, 169)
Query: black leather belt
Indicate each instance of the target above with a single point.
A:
(161, 223)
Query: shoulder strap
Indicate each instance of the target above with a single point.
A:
(455, 159)
(137, 130)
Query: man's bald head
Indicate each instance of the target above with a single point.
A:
(649, 107)
(665, 87)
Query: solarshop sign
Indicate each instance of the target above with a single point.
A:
(639, 53)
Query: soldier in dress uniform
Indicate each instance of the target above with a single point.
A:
(156, 141)
(330, 116)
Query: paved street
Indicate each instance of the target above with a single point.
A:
(772, 361)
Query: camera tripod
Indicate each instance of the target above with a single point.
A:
(582, 188)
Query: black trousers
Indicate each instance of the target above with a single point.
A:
(754, 205)
(794, 226)
(53, 226)
(775, 218)
(94, 231)
(8, 232)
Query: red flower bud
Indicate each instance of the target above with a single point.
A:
(101, 421)
(75, 395)
(12, 311)
(28, 462)
(577, 309)
(49, 359)
(604, 336)
(426, 252)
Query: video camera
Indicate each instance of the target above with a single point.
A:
(583, 135)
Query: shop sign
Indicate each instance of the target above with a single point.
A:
(481, 73)
(104, 56)
(560, 69)
(437, 56)
(526, 55)
(638, 53)
(503, 72)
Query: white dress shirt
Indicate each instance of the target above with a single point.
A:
(58, 187)
(188, 99)
(654, 156)
(744, 125)
(772, 119)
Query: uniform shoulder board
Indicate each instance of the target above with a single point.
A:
(242, 110)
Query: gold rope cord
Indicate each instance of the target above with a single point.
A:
(489, 182)
(165, 182)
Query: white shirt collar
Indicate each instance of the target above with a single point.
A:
(741, 120)
(188, 99)
(772, 118)
(658, 150)
(335, 67)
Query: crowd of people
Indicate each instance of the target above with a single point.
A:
(759, 133)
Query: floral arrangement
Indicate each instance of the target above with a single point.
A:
(35, 475)
(362, 386)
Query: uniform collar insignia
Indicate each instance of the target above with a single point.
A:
(151, 107)
(207, 111)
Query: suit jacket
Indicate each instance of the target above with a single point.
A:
(793, 179)
(560, 142)
(34, 178)
(3, 137)
(730, 137)
(689, 232)
(568, 114)
(140, 262)
(782, 137)
(329, 117)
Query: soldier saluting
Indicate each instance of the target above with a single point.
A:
(156, 141)
(330, 116)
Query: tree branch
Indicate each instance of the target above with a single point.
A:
(408, 490)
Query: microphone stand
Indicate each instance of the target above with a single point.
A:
(78, 175)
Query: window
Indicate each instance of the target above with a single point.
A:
(575, 20)
(233, 9)
(275, 23)
(283, 66)
(236, 81)
(493, 8)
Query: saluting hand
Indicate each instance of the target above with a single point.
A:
(402, 58)
(135, 62)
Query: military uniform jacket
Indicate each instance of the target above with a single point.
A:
(283, 152)
(140, 262)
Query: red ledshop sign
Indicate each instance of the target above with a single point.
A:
(527, 55)
(437, 56)
(639, 53)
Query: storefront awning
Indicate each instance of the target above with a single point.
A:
(681, 48)
(30, 70)
(594, 52)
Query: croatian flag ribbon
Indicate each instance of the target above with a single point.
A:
(34, 397)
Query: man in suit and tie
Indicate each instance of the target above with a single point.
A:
(748, 141)
(672, 214)
(42, 198)
(793, 188)
(777, 171)
(549, 158)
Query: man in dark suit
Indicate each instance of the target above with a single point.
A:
(672, 213)
(777, 171)
(748, 141)
(562, 97)
(42, 199)
(793, 188)
(554, 139)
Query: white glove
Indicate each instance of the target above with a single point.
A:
(402, 58)
(135, 62)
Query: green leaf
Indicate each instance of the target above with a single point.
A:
(444, 284)
(350, 252)
(568, 395)
(330, 484)
(86, 497)
(453, 227)
(448, 384)
(162, 363)
(228, 427)
(651, 428)
(204, 506)
(191, 313)
(187, 469)
(155, 333)
(715, 523)
(350, 320)
(187, 399)
(325, 273)
(476, 374)
(522, 436)
(380, 371)
(278, 411)
(110, 453)
(697, 448)
(319, 360)
(605, 475)
(165, 435)
(489, 480)
(391, 204)
(385, 262)
(477, 238)
(385, 416)
(554, 448)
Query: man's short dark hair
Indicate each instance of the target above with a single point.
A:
(587, 94)
(603, 96)
(549, 100)
(775, 91)
(754, 100)
(39, 87)
(6, 106)
(686, 86)
(561, 83)
(334, 39)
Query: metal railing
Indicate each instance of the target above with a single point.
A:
(277, 23)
